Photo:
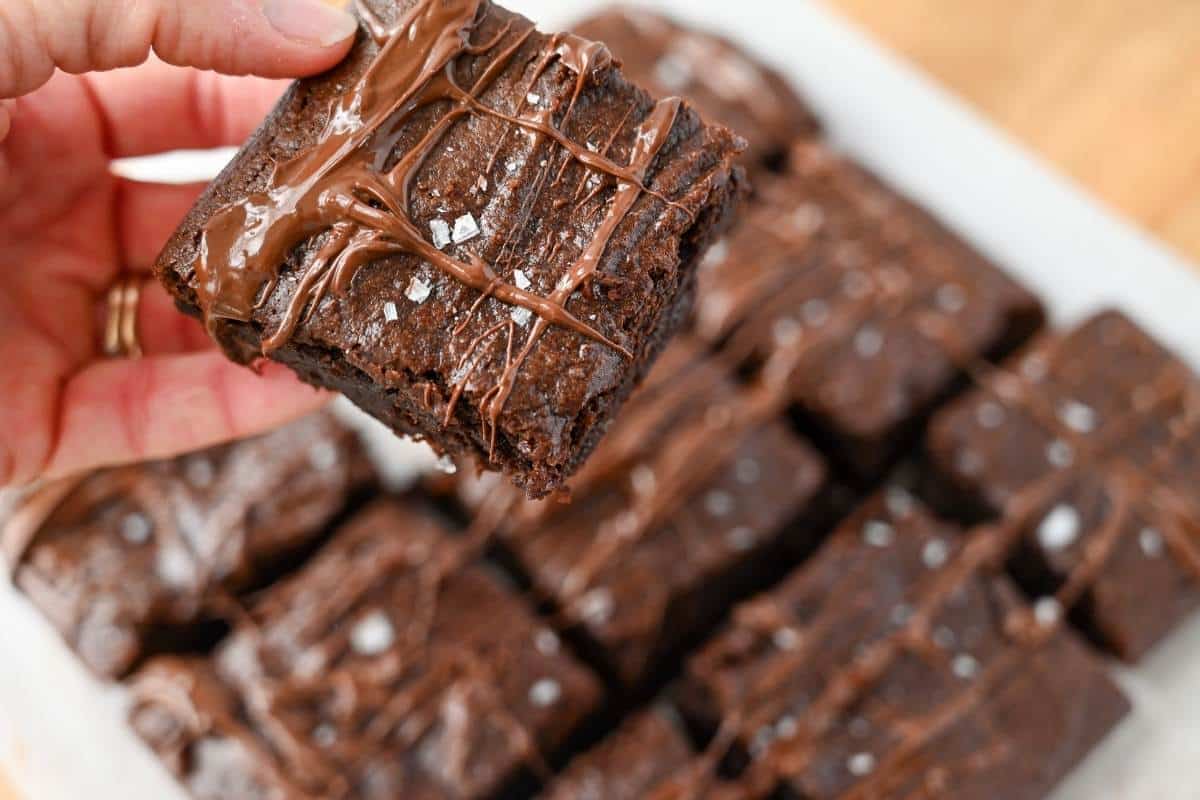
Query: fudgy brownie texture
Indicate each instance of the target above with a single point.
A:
(390, 666)
(117, 557)
(480, 234)
(900, 662)
(861, 302)
(1089, 440)
(691, 501)
(647, 758)
(727, 84)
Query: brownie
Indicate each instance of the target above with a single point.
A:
(647, 758)
(480, 234)
(900, 662)
(861, 302)
(119, 558)
(1089, 441)
(692, 500)
(726, 83)
(380, 671)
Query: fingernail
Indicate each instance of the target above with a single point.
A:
(316, 22)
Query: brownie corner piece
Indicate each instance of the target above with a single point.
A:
(125, 556)
(1088, 441)
(481, 234)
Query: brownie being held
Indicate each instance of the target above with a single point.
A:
(862, 302)
(479, 233)
(727, 84)
(1091, 438)
(900, 662)
(117, 556)
(378, 671)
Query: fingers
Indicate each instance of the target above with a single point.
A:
(147, 215)
(192, 109)
(271, 38)
(124, 411)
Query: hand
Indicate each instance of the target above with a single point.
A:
(69, 227)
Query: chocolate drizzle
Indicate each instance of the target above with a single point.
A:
(984, 553)
(323, 696)
(343, 193)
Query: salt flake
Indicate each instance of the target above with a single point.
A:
(441, 232)
(465, 229)
(418, 291)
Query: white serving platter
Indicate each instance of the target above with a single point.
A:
(62, 735)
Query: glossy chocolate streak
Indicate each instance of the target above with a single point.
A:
(341, 192)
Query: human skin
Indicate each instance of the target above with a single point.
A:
(70, 228)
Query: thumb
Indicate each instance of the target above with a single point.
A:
(272, 38)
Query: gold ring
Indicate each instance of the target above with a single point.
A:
(120, 329)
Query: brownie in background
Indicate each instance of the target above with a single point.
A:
(501, 288)
(863, 302)
(390, 666)
(1089, 439)
(125, 556)
(728, 84)
(693, 500)
(901, 662)
(648, 758)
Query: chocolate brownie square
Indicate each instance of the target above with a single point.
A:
(648, 757)
(122, 557)
(392, 666)
(861, 302)
(480, 234)
(1090, 441)
(900, 663)
(727, 84)
(690, 502)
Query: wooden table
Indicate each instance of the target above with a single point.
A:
(1107, 90)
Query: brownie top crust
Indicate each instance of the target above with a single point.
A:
(727, 84)
(901, 662)
(390, 666)
(864, 303)
(1090, 439)
(108, 555)
(488, 223)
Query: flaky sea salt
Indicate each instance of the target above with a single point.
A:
(860, 764)
(545, 692)
(521, 279)
(465, 229)
(521, 315)
(417, 290)
(441, 232)
(373, 634)
(1060, 528)
(878, 533)
(390, 313)
(1077, 416)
